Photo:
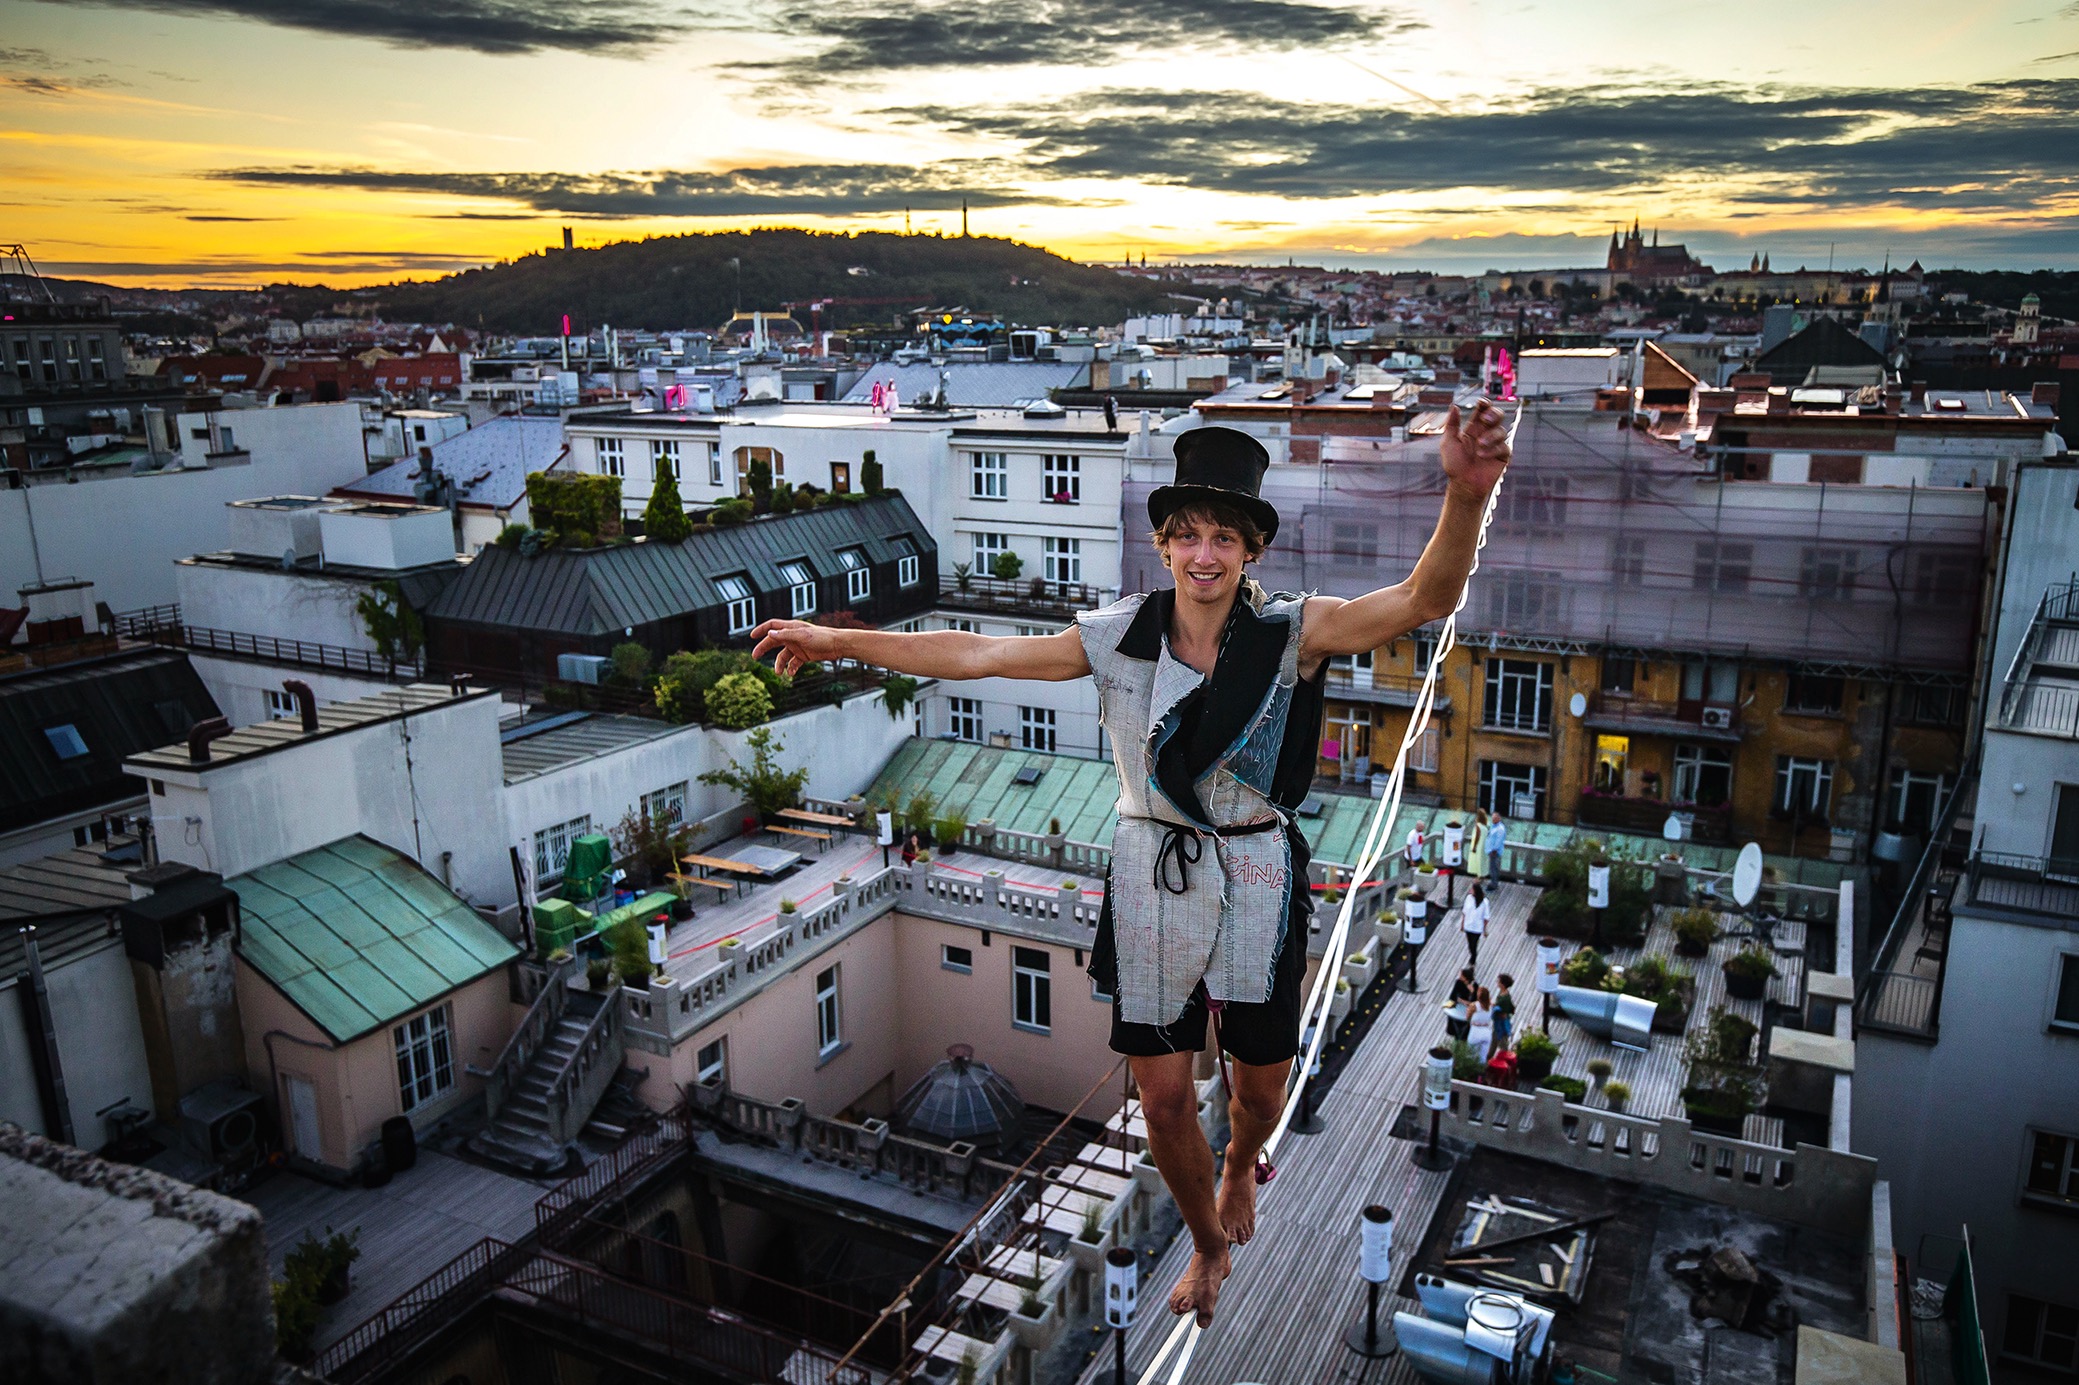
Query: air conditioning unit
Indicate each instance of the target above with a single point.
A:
(1718, 718)
(582, 668)
(220, 1121)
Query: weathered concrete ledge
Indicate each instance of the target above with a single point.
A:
(114, 1274)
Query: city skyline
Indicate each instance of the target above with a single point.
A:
(224, 142)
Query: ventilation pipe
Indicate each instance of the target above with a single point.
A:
(214, 729)
(306, 702)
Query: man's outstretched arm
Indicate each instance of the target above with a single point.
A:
(927, 653)
(1474, 457)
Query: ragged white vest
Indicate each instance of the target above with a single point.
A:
(1227, 926)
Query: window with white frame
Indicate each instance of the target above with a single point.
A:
(1062, 559)
(612, 458)
(669, 803)
(2053, 1168)
(1426, 752)
(425, 1058)
(964, 718)
(987, 548)
(1036, 727)
(1526, 600)
(829, 1032)
(552, 846)
(1063, 478)
(1628, 561)
(2044, 1333)
(1354, 544)
(858, 575)
(280, 704)
(801, 587)
(960, 959)
(1703, 775)
(962, 624)
(712, 1062)
(989, 476)
(1916, 800)
(1519, 695)
(1032, 989)
(1038, 630)
(1826, 574)
(1804, 786)
(1425, 651)
(743, 602)
(1507, 789)
(664, 460)
(1813, 692)
(2064, 1010)
(907, 567)
(1722, 567)
(714, 464)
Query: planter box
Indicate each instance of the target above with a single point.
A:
(1741, 988)
(1388, 937)
(1089, 1255)
(1037, 1334)
(1715, 1124)
(1146, 1176)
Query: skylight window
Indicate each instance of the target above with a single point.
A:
(65, 741)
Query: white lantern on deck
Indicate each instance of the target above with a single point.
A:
(1375, 1254)
(1549, 955)
(1121, 1285)
(1436, 1079)
(1454, 844)
(1599, 885)
(884, 829)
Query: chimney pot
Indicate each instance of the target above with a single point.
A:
(215, 728)
(306, 702)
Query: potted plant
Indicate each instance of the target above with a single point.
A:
(1599, 1070)
(1035, 1321)
(599, 973)
(1586, 968)
(1465, 1063)
(1386, 928)
(1089, 1246)
(1721, 1106)
(788, 906)
(295, 1313)
(1340, 1005)
(1536, 1052)
(1747, 973)
(1616, 1094)
(1572, 1088)
(1695, 931)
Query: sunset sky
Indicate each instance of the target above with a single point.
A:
(224, 142)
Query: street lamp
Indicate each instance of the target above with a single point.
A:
(1308, 1121)
(1436, 1095)
(1454, 859)
(1122, 1276)
(1599, 894)
(1415, 912)
(1374, 1264)
(1549, 953)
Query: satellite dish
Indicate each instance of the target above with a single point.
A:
(1672, 828)
(1577, 704)
(1747, 874)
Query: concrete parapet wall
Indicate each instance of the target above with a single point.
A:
(1811, 1185)
(111, 1274)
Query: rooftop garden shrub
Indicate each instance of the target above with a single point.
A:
(1006, 566)
(1617, 1094)
(1572, 1088)
(1695, 931)
(1563, 908)
(1465, 1062)
(766, 786)
(729, 512)
(629, 666)
(580, 510)
(664, 518)
(1587, 967)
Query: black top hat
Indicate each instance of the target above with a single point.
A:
(1223, 464)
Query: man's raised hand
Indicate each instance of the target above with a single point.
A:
(1476, 448)
(794, 644)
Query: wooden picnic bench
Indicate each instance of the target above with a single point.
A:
(821, 839)
(718, 886)
(722, 863)
(817, 819)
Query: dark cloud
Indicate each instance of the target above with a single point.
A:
(862, 39)
(483, 26)
(805, 190)
(1988, 146)
(362, 263)
(194, 217)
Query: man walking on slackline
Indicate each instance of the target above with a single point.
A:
(1211, 693)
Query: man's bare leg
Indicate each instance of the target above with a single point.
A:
(1169, 1103)
(1253, 1109)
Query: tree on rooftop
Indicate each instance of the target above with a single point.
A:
(664, 518)
(392, 625)
(763, 783)
(758, 480)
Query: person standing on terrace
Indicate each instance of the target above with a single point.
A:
(1211, 694)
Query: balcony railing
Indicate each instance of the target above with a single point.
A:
(1646, 718)
(163, 625)
(2045, 709)
(1647, 816)
(1019, 595)
(2028, 884)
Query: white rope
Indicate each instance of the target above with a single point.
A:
(1376, 845)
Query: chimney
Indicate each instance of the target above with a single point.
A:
(203, 732)
(2044, 392)
(1894, 399)
(1382, 398)
(1779, 401)
(567, 240)
(306, 702)
(1450, 377)
(1919, 394)
(1751, 380)
(179, 929)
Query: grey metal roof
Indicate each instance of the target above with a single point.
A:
(488, 463)
(972, 384)
(265, 737)
(603, 591)
(117, 706)
(568, 742)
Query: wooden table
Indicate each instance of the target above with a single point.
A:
(721, 863)
(816, 819)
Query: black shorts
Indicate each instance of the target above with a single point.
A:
(1258, 1034)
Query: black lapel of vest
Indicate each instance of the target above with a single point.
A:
(1249, 660)
(1143, 637)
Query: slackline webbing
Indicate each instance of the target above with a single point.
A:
(1186, 1333)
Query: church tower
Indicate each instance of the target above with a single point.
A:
(2029, 321)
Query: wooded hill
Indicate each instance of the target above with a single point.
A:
(689, 281)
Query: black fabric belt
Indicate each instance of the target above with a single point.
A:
(1184, 847)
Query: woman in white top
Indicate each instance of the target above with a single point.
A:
(1480, 1029)
(1473, 918)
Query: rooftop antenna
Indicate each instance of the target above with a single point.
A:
(15, 262)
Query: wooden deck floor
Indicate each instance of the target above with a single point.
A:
(410, 1227)
(1296, 1286)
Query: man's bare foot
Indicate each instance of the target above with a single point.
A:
(1237, 1204)
(1199, 1288)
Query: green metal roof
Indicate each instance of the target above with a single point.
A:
(974, 781)
(356, 935)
